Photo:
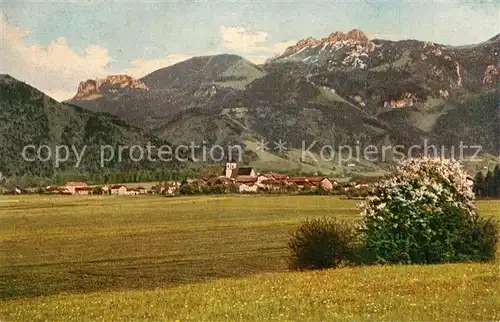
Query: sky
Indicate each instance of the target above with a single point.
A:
(53, 45)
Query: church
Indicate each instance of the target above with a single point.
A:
(232, 170)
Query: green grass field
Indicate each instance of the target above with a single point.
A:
(209, 258)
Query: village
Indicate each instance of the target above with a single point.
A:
(232, 179)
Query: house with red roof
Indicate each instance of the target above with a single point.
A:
(83, 190)
(246, 183)
(324, 182)
(277, 176)
(71, 186)
(273, 185)
(301, 182)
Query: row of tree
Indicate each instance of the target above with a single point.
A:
(487, 185)
(29, 181)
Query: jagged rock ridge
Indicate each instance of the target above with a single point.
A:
(111, 83)
(351, 48)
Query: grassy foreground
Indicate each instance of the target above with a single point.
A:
(446, 292)
(140, 258)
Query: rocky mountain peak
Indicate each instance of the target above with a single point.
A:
(355, 35)
(354, 40)
(113, 82)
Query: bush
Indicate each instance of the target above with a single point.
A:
(425, 213)
(321, 243)
(320, 191)
(215, 190)
(189, 189)
(306, 188)
(480, 241)
(219, 189)
(233, 188)
(353, 193)
(292, 188)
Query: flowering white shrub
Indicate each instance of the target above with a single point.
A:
(420, 214)
(431, 181)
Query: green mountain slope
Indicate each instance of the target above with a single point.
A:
(28, 117)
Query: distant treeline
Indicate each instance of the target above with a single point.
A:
(29, 181)
(487, 185)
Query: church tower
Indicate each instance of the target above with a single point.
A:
(230, 166)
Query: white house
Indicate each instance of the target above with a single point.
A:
(71, 186)
(247, 183)
(119, 189)
(248, 187)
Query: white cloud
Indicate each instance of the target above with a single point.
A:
(56, 69)
(240, 40)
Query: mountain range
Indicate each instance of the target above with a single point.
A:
(344, 89)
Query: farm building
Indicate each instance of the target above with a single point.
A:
(53, 190)
(324, 182)
(133, 192)
(83, 191)
(301, 182)
(141, 190)
(248, 187)
(119, 190)
(273, 185)
(71, 186)
(247, 183)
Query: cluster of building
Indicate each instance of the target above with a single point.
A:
(243, 180)
(247, 180)
(82, 188)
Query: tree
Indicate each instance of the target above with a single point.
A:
(479, 184)
(424, 213)
(496, 181)
(489, 184)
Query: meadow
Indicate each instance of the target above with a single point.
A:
(210, 258)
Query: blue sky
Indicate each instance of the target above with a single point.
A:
(53, 45)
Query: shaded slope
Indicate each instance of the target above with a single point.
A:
(29, 117)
